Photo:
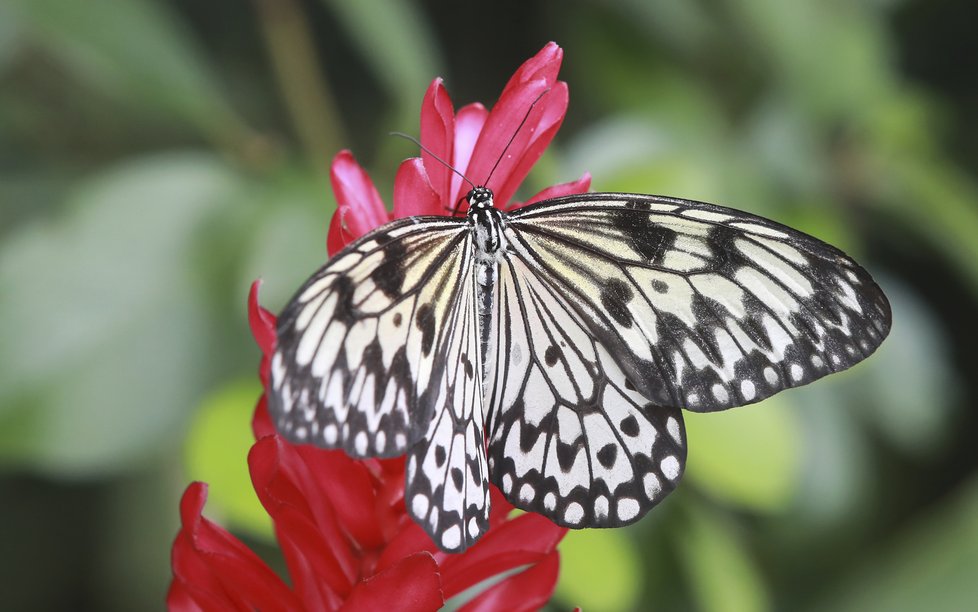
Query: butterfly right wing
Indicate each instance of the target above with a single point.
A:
(359, 357)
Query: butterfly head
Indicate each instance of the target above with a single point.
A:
(479, 198)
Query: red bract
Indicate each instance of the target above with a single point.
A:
(346, 537)
(472, 141)
(341, 523)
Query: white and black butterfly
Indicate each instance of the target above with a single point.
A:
(549, 350)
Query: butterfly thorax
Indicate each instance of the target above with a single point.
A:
(487, 223)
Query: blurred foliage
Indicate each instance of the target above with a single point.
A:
(156, 157)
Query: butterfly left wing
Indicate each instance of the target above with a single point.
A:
(378, 354)
(569, 437)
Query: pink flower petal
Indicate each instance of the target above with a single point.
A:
(345, 485)
(535, 76)
(500, 127)
(437, 135)
(579, 186)
(412, 585)
(533, 140)
(261, 422)
(409, 540)
(544, 65)
(500, 508)
(359, 208)
(529, 590)
(261, 321)
(525, 539)
(210, 566)
(468, 125)
(413, 193)
(322, 565)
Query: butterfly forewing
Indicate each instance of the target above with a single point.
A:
(358, 361)
(705, 307)
(569, 437)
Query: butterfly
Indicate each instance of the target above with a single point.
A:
(549, 350)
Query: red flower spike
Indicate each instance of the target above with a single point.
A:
(468, 125)
(341, 523)
(358, 204)
(581, 185)
(413, 193)
(412, 584)
(437, 135)
(261, 321)
(529, 590)
(210, 566)
(520, 541)
(261, 423)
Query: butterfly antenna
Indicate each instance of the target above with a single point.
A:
(513, 137)
(428, 151)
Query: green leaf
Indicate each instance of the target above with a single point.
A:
(394, 38)
(721, 572)
(931, 567)
(104, 334)
(749, 456)
(907, 389)
(138, 52)
(217, 453)
(599, 570)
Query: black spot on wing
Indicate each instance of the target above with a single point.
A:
(566, 453)
(629, 426)
(425, 322)
(345, 311)
(457, 478)
(650, 240)
(389, 274)
(615, 296)
(551, 355)
(607, 455)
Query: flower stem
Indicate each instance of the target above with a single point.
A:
(307, 96)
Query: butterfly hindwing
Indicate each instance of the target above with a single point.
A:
(447, 489)
(705, 307)
(569, 437)
(357, 362)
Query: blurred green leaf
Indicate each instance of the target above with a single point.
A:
(906, 397)
(394, 38)
(599, 570)
(721, 574)
(930, 568)
(750, 456)
(137, 51)
(104, 335)
(217, 453)
(836, 478)
(829, 57)
(9, 35)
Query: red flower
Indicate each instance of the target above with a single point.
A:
(341, 523)
(472, 141)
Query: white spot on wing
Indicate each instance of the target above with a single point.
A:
(627, 508)
(574, 513)
(670, 467)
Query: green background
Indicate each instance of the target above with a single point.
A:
(156, 157)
